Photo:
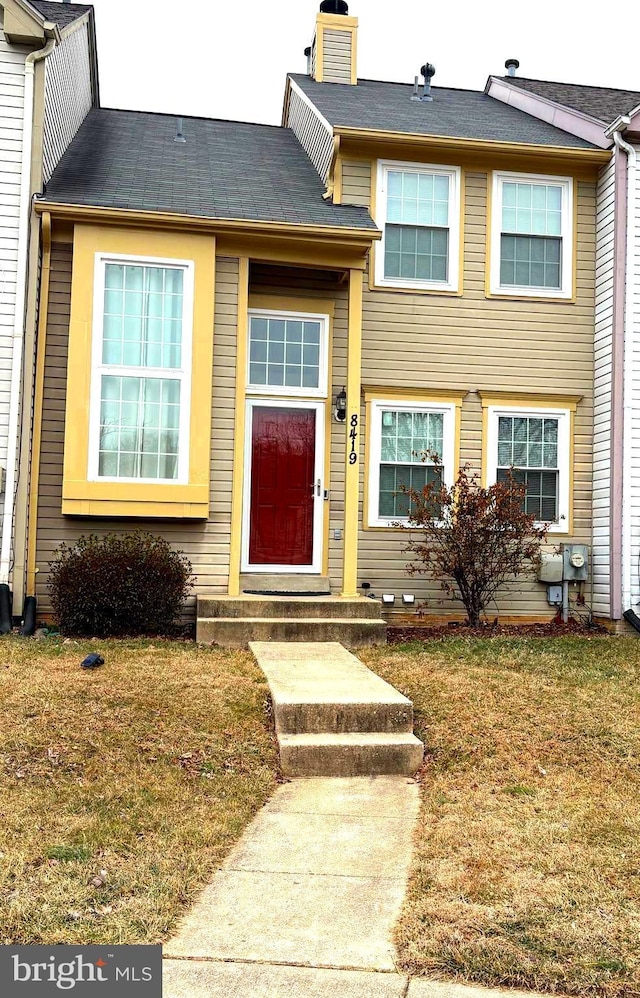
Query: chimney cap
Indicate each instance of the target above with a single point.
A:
(511, 65)
(334, 7)
(428, 71)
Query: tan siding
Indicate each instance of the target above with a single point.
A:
(474, 344)
(206, 544)
(356, 183)
(337, 56)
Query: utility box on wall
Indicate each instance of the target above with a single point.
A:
(550, 567)
(575, 562)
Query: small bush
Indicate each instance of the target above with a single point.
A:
(474, 539)
(119, 584)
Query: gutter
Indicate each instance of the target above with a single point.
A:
(333, 234)
(20, 303)
(595, 156)
(43, 320)
(615, 130)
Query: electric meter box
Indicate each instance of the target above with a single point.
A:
(576, 562)
(550, 567)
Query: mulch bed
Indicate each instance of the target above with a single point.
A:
(405, 633)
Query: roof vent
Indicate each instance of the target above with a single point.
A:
(428, 71)
(511, 65)
(179, 134)
(334, 7)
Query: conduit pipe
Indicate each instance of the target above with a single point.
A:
(19, 316)
(627, 418)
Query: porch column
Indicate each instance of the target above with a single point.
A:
(242, 347)
(352, 442)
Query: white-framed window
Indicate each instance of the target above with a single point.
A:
(288, 353)
(418, 209)
(141, 377)
(532, 236)
(400, 434)
(535, 444)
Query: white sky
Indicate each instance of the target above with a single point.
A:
(228, 60)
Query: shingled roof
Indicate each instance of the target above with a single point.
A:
(465, 114)
(224, 170)
(61, 14)
(602, 103)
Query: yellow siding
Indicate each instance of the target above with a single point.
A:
(205, 543)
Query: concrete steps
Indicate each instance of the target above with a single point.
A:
(350, 754)
(319, 607)
(233, 622)
(333, 716)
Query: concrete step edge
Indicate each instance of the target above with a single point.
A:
(371, 621)
(211, 608)
(349, 738)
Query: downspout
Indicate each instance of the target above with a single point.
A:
(19, 317)
(627, 419)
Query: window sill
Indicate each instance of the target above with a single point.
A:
(419, 289)
(519, 294)
(120, 499)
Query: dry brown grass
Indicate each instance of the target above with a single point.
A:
(148, 769)
(527, 866)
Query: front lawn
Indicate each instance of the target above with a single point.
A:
(527, 863)
(122, 789)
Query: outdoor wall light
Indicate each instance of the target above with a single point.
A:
(341, 406)
(388, 599)
(408, 599)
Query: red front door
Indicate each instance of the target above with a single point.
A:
(283, 452)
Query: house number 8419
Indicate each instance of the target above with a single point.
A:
(353, 436)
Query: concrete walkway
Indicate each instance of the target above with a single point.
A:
(305, 904)
(316, 881)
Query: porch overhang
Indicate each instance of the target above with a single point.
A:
(332, 247)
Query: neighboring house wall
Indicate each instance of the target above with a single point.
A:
(68, 95)
(605, 226)
(474, 344)
(635, 402)
(12, 59)
(311, 131)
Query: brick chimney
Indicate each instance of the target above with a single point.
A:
(333, 57)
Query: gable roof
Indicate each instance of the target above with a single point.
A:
(467, 114)
(61, 14)
(602, 103)
(224, 170)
